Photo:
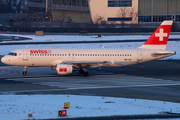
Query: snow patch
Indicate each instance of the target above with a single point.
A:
(47, 106)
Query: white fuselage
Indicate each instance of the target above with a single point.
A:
(51, 57)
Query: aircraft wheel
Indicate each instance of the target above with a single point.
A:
(24, 72)
(81, 71)
(85, 74)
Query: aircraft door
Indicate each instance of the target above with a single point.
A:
(25, 55)
(139, 55)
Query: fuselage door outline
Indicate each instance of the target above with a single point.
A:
(25, 54)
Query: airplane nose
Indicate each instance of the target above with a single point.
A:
(3, 60)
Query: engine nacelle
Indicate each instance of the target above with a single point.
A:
(64, 69)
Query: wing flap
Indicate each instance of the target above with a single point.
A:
(90, 64)
(86, 63)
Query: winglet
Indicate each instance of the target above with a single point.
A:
(159, 38)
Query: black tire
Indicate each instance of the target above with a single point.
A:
(24, 72)
(81, 71)
(85, 74)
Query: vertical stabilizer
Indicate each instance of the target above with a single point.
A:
(159, 38)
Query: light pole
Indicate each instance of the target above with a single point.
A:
(46, 5)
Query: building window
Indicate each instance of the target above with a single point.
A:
(144, 18)
(35, 9)
(38, 1)
(120, 19)
(169, 17)
(159, 18)
(177, 17)
(119, 3)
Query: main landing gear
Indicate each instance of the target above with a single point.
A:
(25, 70)
(84, 72)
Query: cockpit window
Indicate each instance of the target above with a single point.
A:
(13, 54)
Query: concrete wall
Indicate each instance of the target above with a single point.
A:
(77, 16)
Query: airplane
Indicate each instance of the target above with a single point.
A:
(65, 61)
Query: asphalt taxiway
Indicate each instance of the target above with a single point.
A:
(157, 80)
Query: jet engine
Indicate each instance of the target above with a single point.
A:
(64, 69)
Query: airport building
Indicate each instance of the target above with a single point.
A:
(109, 11)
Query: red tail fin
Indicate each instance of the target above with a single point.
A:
(159, 38)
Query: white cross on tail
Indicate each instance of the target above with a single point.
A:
(161, 35)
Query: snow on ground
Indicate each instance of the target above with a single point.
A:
(14, 107)
(47, 38)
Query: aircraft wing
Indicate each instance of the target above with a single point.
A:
(90, 64)
(83, 64)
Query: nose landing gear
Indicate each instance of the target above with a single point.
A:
(25, 70)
